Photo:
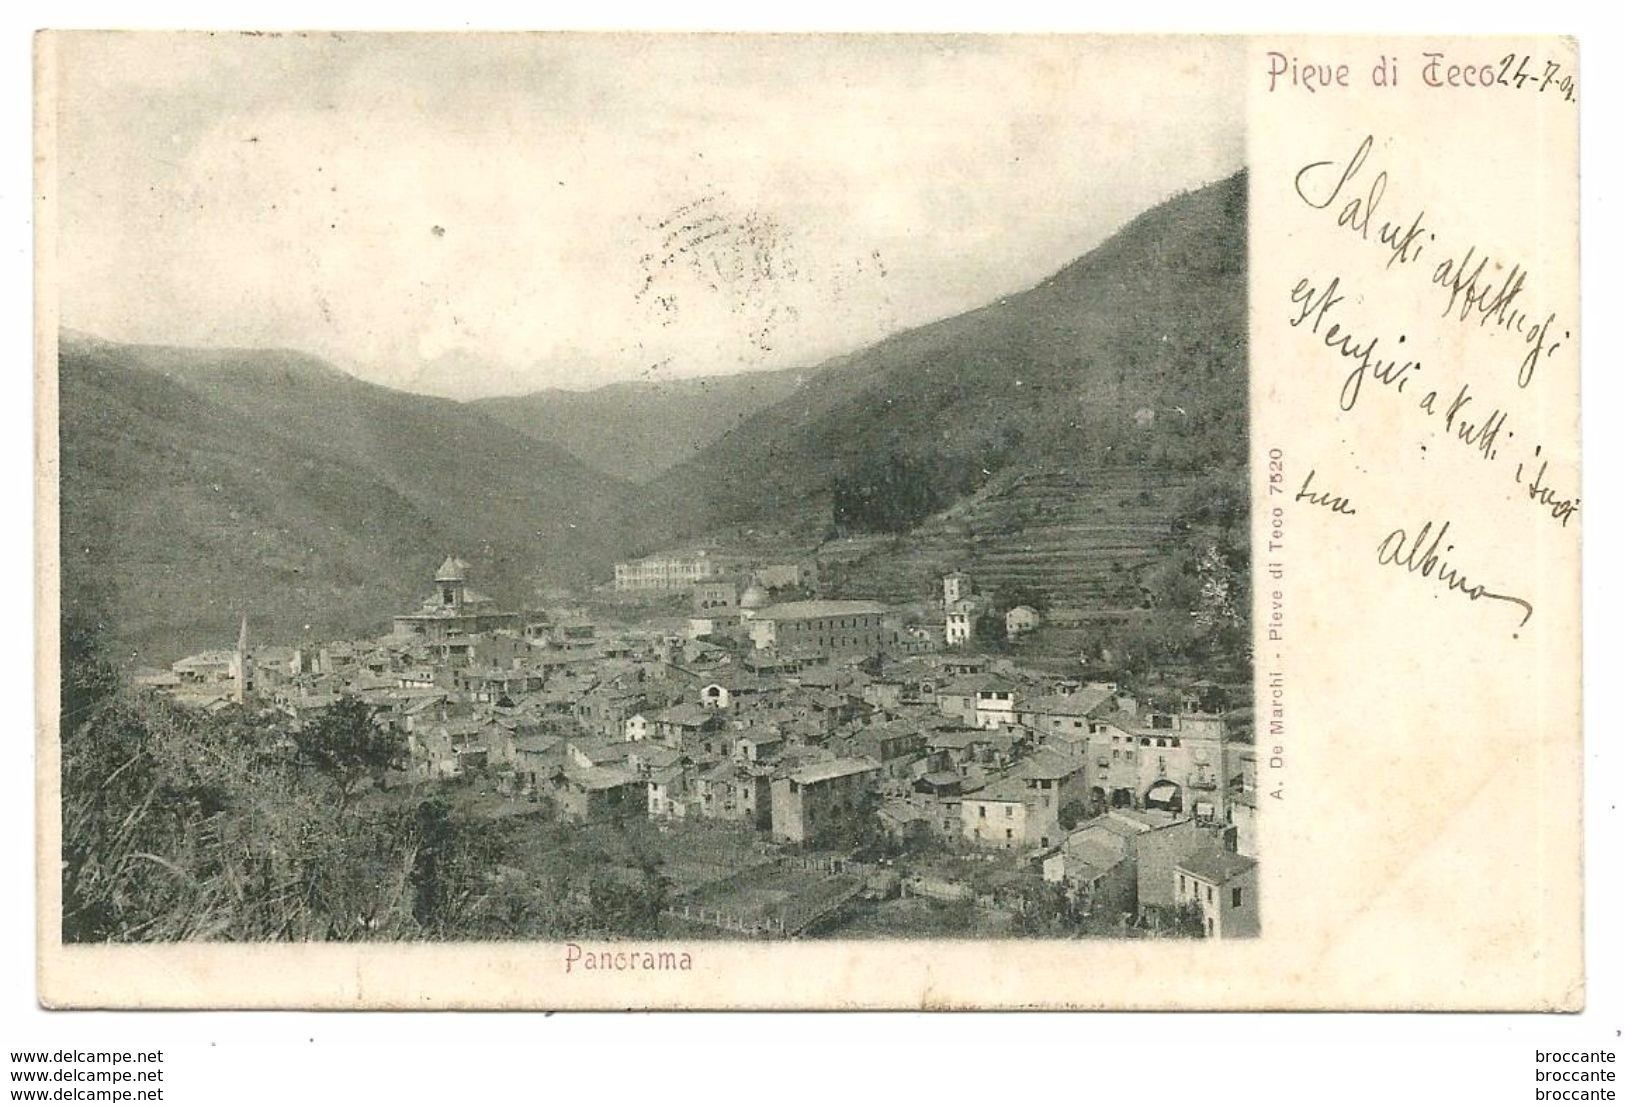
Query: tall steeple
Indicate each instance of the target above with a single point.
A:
(450, 580)
(243, 665)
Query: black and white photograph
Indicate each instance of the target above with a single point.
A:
(626, 552)
(690, 487)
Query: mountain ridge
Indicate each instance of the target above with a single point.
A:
(1076, 431)
(199, 483)
(1152, 318)
(639, 429)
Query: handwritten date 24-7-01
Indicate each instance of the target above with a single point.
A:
(1514, 71)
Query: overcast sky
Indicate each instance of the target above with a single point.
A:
(470, 215)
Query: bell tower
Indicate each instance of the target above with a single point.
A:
(449, 582)
(242, 666)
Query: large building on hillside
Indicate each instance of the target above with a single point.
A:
(830, 627)
(455, 610)
(961, 617)
(676, 572)
(1223, 886)
(1159, 760)
(815, 796)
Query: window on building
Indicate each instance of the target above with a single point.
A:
(1181, 883)
(1008, 833)
(1210, 893)
(1235, 897)
(981, 811)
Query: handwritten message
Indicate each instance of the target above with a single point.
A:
(1369, 359)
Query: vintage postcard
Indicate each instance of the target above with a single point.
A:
(663, 521)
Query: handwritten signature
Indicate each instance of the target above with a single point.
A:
(1406, 553)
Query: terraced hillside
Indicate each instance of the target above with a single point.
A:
(1085, 439)
(1134, 355)
(1080, 538)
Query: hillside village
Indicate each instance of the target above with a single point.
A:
(946, 636)
(851, 753)
(796, 545)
